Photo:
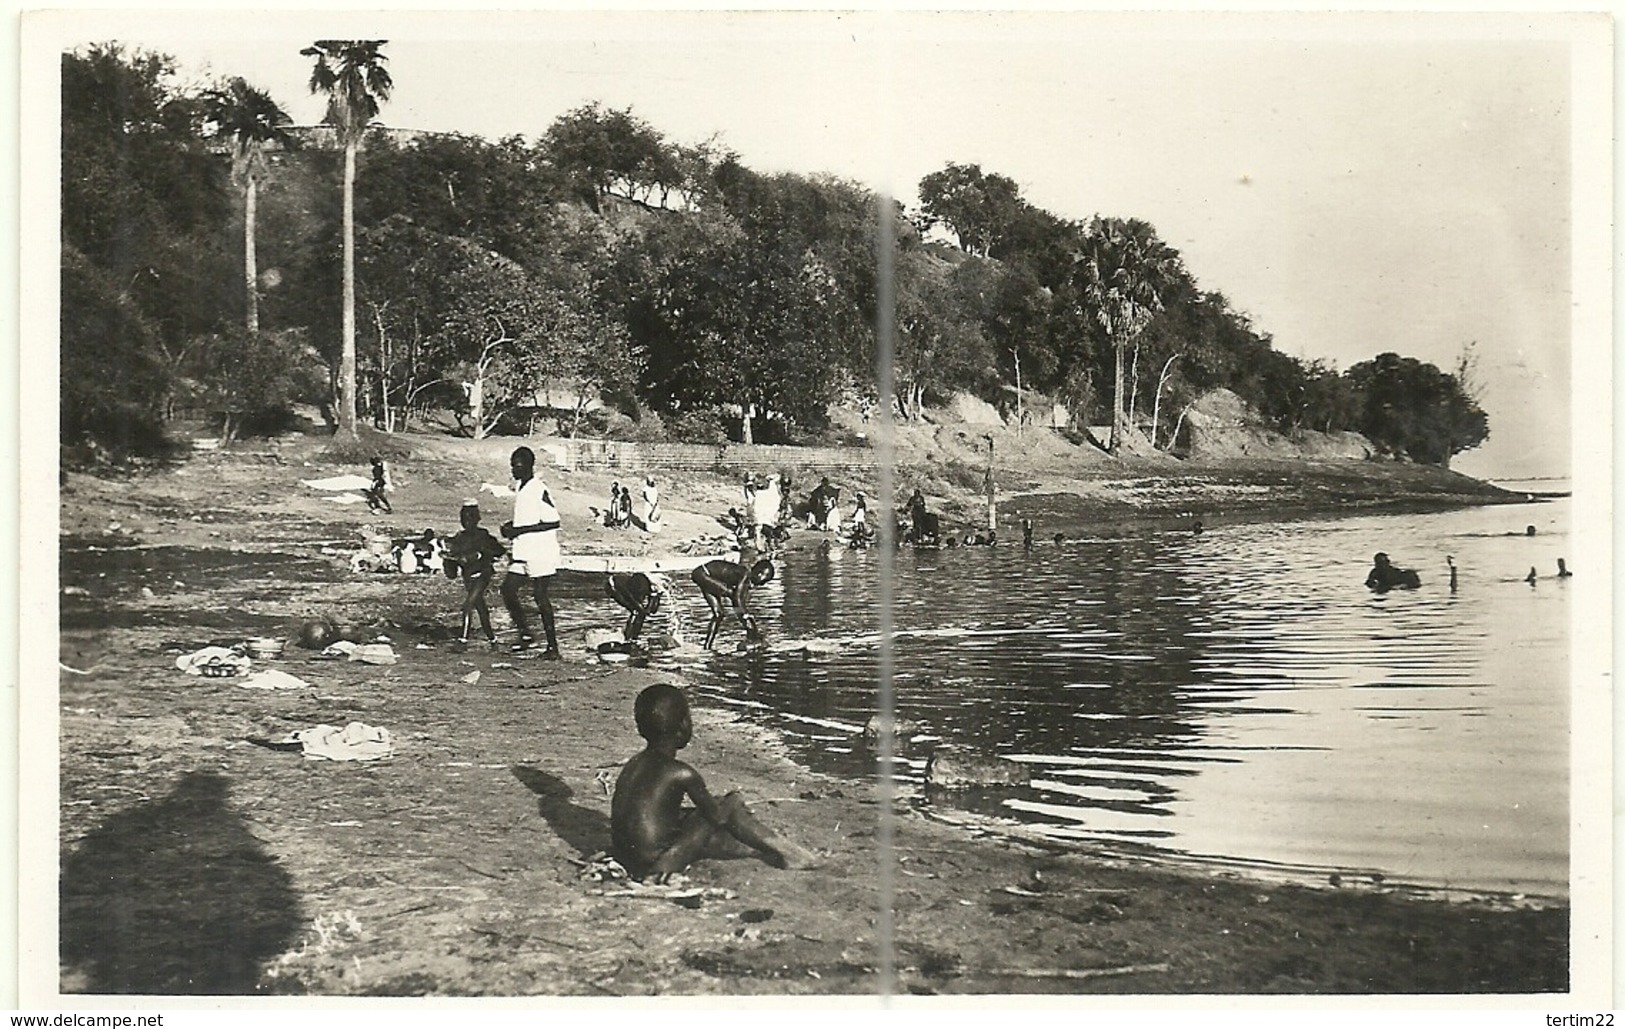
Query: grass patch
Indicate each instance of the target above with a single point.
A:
(367, 444)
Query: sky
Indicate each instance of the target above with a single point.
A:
(1353, 183)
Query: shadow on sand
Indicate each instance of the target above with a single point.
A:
(174, 897)
(584, 828)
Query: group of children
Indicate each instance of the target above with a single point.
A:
(534, 560)
(473, 552)
(618, 515)
(653, 833)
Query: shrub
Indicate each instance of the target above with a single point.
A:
(699, 425)
(367, 444)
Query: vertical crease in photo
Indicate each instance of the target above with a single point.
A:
(885, 325)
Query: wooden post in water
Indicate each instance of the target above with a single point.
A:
(987, 482)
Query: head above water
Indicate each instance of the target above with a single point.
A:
(1380, 559)
(661, 713)
(523, 462)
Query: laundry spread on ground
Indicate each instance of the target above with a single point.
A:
(340, 483)
(368, 653)
(273, 679)
(357, 741)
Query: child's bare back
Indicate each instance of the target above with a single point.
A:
(652, 832)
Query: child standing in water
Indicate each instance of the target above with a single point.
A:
(473, 552)
(652, 833)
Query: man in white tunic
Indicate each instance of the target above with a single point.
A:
(535, 534)
(651, 505)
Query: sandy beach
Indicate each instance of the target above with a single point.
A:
(199, 857)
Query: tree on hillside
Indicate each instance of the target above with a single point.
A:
(826, 225)
(977, 208)
(143, 211)
(496, 193)
(241, 375)
(940, 346)
(602, 153)
(134, 169)
(1413, 409)
(351, 73)
(1122, 273)
(400, 295)
(252, 122)
(1330, 401)
(723, 318)
(113, 376)
(1011, 309)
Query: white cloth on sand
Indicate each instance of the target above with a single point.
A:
(339, 482)
(369, 653)
(357, 741)
(273, 679)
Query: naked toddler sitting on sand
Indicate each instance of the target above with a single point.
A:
(653, 834)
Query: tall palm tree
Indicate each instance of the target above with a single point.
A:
(253, 122)
(1125, 270)
(352, 75)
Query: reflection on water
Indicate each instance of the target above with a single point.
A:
(1236, 695)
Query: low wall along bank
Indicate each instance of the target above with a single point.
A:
(610, 455)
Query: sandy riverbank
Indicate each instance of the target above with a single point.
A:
(452, 868)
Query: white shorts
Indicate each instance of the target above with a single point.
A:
(535, 554)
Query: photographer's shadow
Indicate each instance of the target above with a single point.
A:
(174, 897)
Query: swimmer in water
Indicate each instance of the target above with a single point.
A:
(1563, 570)
(1385, 576)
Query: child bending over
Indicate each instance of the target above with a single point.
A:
(652, 833)
(725, 585)
(473, 551)
(639, 595)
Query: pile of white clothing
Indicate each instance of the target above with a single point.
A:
(357, 741)
(213, 657)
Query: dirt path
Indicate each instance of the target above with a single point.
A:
(195, 860)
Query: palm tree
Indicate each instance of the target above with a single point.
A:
(1125, 271)
(253, 122)
(351, 73)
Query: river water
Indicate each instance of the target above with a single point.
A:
(1234, 696)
